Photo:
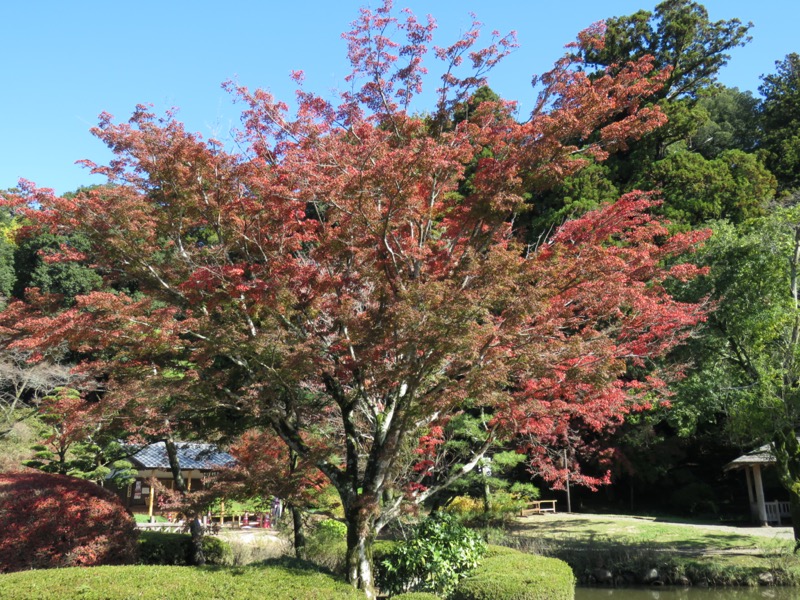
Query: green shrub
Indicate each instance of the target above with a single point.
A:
(331, 530)
(327, 545)
(158, 548)
(216, 551)
(177, 583)
(438, 553)
(416, 596)
(504, 506)
(525, 491)
(494, 551)
(382, 549)
(506, 574)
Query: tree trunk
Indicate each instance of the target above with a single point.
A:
(794, 510)
(175, 465)
(789, 474)
(299, 532)
(359, 550)
(297, 515)
(197, 530)
(487, 502)
(786, 450)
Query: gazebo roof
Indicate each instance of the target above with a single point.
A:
(759, 456)
(191, 455)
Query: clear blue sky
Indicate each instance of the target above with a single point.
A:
(63, 63)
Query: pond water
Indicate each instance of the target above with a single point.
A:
(692, 593)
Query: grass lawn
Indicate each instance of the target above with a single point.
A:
(687, 538)
(142, 518)
(725, 555)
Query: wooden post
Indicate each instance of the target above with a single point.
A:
(151, 500)
(221, 513)
(189, 483)
(750, 495)
(762, 508)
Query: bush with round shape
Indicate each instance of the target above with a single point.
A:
(439, 552)
(216, 551)
(164, 548)
(148, 582)
(506, 574)
(49, 520)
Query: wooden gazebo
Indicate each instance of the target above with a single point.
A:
(197, 460)
(762, 511)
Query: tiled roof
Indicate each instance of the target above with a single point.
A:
(759, 456)
(191, 455)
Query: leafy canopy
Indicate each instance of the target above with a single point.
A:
(680, 37)
(338, 284)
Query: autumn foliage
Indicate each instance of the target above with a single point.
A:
(265, 467)
(358, 275)
(49, 521)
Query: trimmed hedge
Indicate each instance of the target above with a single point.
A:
(416, 596)
(506, 574)
(175, 549)
(49, 520)
(176, 583)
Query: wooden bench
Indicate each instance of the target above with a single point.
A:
(537, 507)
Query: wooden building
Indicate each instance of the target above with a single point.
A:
(763, 511)
(197, 461)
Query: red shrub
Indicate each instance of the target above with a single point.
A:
(58, 521)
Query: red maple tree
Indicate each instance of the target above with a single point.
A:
(356, 276)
